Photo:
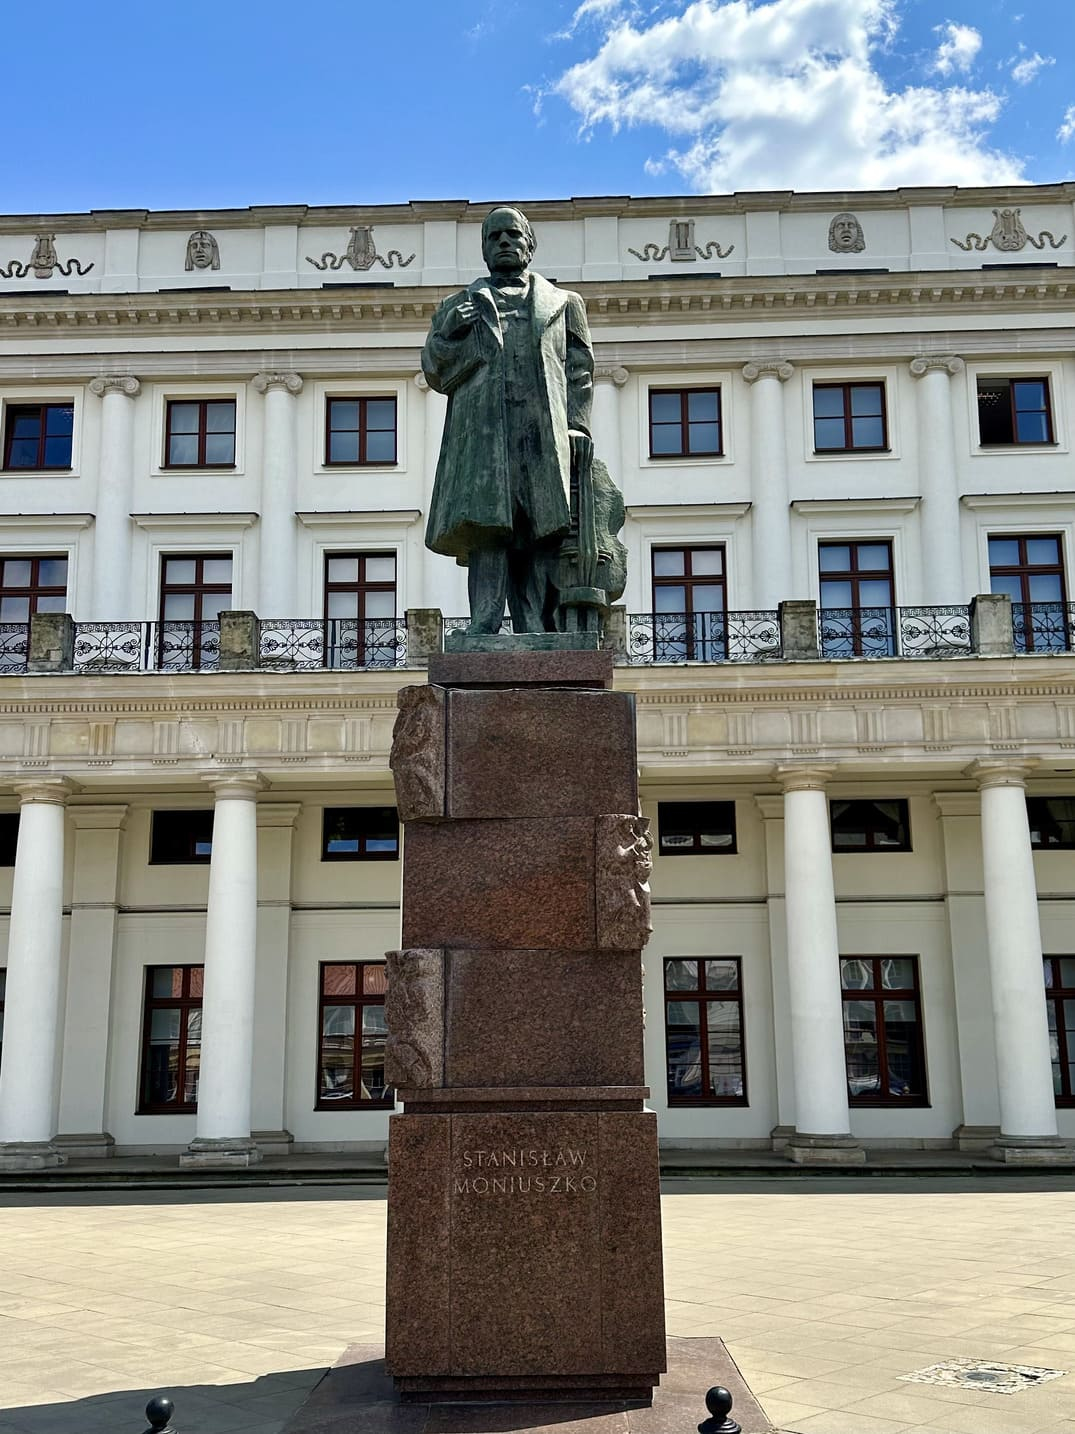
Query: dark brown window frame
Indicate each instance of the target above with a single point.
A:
(854, 575)
(877, 995)
(1043, 845)
(197, 589)
(363, 401)
(202, 433)
(1057, 995)
(11, 411)
(1011, 380)
(849, 445)
(192, 860)
(35, 588)
(359, 1000)
(688, 581)
(702, 997)
(871, 844)
(1024, 570)
(684, 424)
(362, 854)
(696, 848)
(150, 1003)
(361, 586)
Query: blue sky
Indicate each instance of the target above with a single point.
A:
(375, 101)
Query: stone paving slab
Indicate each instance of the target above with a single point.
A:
(826, 1293)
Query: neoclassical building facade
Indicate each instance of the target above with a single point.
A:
(843, 427)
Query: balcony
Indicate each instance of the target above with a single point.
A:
(660, 637)
(894, 632)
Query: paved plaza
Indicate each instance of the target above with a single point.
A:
(825, 1291)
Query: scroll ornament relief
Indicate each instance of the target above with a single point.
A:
(681, 248)
(417, 756)
(361, 253)
(623, 860)
(414, 1015)
(1009, 235)
(43, 262)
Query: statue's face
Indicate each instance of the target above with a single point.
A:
(201, 250)
(506, 243)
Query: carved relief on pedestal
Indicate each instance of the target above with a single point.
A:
(418, 753)
(1008, 235)
(414, 1015)
(845, 235)
(361, 253)
(203, 251)
(623, 862)
(43, 261)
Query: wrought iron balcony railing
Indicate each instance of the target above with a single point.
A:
(171, 646)
(304, 644)
(1044, 626)
(14, 646)
(894, 631)
(658, 637)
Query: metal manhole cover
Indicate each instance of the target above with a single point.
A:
(983, 1374)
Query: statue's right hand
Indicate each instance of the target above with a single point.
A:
(460, 319)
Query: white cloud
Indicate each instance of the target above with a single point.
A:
(959, 48)
(1067, 125)
(784, 94)
(1024, 70)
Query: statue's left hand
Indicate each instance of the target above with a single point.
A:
(581, 449)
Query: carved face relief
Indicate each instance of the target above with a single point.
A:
(845, 235)
(203, 252)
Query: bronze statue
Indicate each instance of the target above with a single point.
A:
(513, 355)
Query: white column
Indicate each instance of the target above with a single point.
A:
(276, 830)
(770, 514)
(822, 1120)
(222, 1133)
(942, 562)
(772, 813)
(608, 445)
(92, 948)
(28, 1074)
(279, 474)
(110, 599)
(1013, 939)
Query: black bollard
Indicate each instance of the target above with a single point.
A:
(719, 1403)
(159, 1412)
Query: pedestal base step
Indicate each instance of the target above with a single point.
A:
(357, 1395)
(529, 1388)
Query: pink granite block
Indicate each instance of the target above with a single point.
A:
(418, 1282)
(417, 758)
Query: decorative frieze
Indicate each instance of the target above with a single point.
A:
(681, 248)
(44, 261)
(361, 253)
(1009, 235)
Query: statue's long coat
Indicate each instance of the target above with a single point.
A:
(471, 505)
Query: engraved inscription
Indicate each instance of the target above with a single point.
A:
(524, 1171)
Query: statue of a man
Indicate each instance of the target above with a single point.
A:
(513, 355)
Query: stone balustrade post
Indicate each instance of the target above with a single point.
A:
(240, 633)
(798, 630)
(991, 631)
(52, 642)
(425, 634)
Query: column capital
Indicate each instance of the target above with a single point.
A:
(950, 364)
(420, 381)
(287, 382)
(278, 814)
(45, 789)
(802, 777)
(611, 373)
(115, 383)
(1001, 771)
(242, 785)
(768, 368)
(100, 818)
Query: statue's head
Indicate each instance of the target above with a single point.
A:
(202, 251)
(845, 235)
(507, 240)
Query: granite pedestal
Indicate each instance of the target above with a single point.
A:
(524, 1242)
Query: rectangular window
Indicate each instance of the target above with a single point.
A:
(360, 834)
(857, 599)
(1052, 823)
(31, 584)
(180, 838)
(171, 1040)
(1014, 410)
(360, 610)
(360, 431)
(352, 1035)
(684, 423)
(195, 590)
(870, 825)
(850, 417)
(689, 602)
(9, 837)
(200, 433)
(703, 1030)
(1060, 1004)
(687, 828)
(883, 1031)
(38, 436)
(1029, 568)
